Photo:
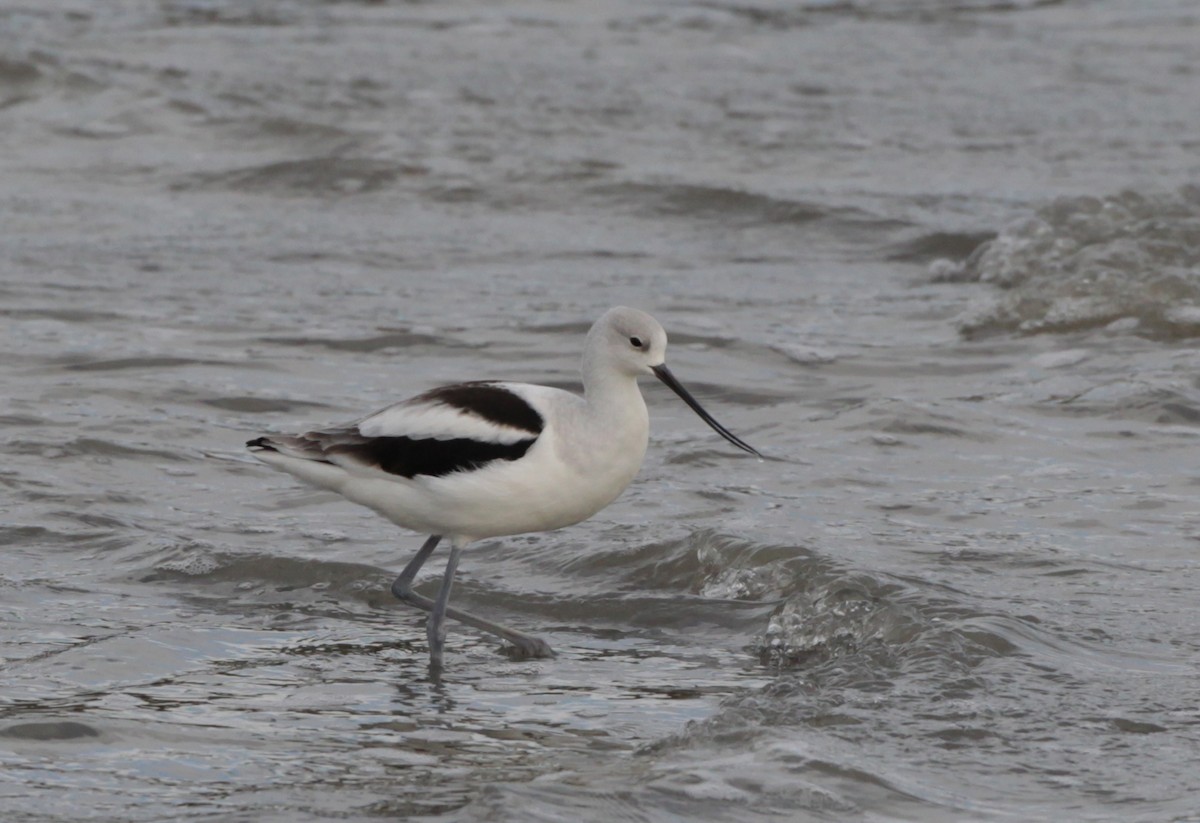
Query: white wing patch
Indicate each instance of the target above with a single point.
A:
(427, 417)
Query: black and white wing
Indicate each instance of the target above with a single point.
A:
(450, 429)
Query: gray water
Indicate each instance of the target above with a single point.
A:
(940, 259)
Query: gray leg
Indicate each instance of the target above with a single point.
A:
(436, 629)
(525, 645)
(402, 585)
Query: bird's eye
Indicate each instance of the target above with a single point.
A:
(636, 342)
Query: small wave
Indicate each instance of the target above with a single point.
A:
(318, 176)
(65, 315)
(702, 562)
(378, 342)
(1136, 399)
(713, 202)
(1129, 262)
(89, 447)
(290, 128)
(226, 13)
(835, 620)
(150, 362)
(235, 579)
(18, 72)
(14, 535)
(939, 245)
(259, 405)
(21, 421)
(46, 730)
(784, 15)
(806, 355)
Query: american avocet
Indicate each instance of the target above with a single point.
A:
(487, 459)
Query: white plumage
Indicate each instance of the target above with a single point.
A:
(487, 459)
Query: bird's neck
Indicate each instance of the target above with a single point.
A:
(613, 398)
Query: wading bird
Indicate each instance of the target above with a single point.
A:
(487, 459)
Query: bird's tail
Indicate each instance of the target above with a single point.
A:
(299, 446)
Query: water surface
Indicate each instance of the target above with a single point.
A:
(938, 258)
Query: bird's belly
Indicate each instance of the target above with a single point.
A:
(538, 492)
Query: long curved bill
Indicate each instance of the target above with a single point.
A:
(664, 374)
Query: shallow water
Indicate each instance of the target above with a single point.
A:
(937, 259)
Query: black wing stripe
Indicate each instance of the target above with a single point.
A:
(493, 403)
(407, 457)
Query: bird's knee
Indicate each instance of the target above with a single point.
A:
(402, 589)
